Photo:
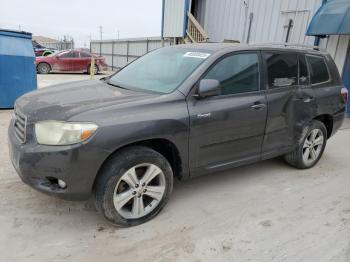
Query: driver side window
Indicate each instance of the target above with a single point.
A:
(236, 73)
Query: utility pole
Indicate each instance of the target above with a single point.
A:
(101, 31)
(118, 34)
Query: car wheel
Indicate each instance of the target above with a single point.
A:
(310, 148)
(133, 186)
(43, 68)
(95, 69)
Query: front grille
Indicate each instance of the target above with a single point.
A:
(20, 126)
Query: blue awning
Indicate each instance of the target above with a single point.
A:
(333, 18)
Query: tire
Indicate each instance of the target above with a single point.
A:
(96, 69)
(310, 148)
(117, 196)
(43, 68)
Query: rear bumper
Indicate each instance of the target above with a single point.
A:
(338, 120)
(102, 67)
(38, 166)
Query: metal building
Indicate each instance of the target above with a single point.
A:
(254, 21)
(53, 43)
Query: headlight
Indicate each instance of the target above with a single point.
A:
(63, 133)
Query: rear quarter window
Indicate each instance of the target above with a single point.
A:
(318, 69)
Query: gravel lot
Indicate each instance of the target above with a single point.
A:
(263, 212)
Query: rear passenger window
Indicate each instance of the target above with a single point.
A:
(83, 54)
(318, 69)
(236, 73)
(282, 69)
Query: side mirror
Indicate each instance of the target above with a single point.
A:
(208, 87)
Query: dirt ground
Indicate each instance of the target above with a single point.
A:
(263, 212)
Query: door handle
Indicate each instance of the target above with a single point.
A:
(258, 106)
(308, 99)
(204, 115)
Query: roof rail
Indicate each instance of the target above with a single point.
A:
(290, 45)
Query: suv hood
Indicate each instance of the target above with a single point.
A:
(61, 102)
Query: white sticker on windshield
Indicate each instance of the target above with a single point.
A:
(197, 55)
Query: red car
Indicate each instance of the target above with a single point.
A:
(69, 61)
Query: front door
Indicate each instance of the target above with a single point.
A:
(227, 130)
(64, 61)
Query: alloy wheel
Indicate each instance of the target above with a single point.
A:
(312, 147)
(139, 191)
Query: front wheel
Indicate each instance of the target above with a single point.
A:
(43, 68)
(133, 186)
(310, 148)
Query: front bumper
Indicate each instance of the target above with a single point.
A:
(38, 165)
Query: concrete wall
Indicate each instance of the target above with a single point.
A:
(119, 53)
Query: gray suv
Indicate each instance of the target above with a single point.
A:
(176, 112)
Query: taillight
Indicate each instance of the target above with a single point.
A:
(345, 94)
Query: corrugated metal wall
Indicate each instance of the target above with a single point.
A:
(173, 18)
(337, 46)
(118, 53)
(230, 19)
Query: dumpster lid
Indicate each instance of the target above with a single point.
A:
(15, 33)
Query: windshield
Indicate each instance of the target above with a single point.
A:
(161, 71)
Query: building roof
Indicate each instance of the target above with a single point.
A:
(44, 39)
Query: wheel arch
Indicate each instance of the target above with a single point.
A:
(327, 120)
(163, 146)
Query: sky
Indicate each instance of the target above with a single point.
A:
(81, 19)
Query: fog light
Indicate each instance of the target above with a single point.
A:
(62, 184)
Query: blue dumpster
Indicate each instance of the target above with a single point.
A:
(17, 66)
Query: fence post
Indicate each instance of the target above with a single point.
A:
(127, 51)
(92, 67)
(147, 45)
(100, 48)
(112, 55)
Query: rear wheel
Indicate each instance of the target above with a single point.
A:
(133, 186)
(95, 69)
(311, 147)
(43, 68)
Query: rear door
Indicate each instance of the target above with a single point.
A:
(282, 82)
(290, 98)
(85, 60)
(228, 129)
(77, 62)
